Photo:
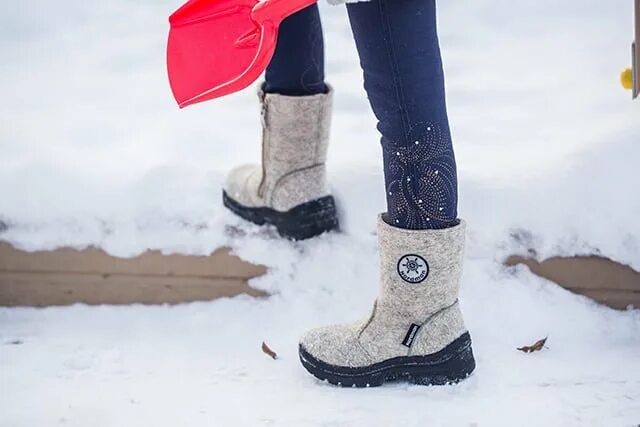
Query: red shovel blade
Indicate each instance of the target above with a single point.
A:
(217, 47)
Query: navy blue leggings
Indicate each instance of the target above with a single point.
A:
(297, 66)
(400, 57)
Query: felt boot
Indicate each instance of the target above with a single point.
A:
(289, 190)
(415, 332)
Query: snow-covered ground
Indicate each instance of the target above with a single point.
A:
(93, 151)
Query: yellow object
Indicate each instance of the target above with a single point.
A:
(626, 78)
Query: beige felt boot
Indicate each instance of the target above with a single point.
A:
(416, 332)
(289, 190)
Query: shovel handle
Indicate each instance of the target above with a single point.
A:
(635, 56)
(276, 10)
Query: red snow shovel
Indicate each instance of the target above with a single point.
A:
(217, 47)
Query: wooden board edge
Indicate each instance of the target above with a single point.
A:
(602, 279)
(91, 276)
(46, 289)
(220, 262)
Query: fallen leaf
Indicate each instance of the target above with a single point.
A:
(537, 346)
(266, 350)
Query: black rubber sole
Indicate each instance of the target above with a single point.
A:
(298, 223)
(448, 366)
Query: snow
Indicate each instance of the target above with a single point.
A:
(94, 152)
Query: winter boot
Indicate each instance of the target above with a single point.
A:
(415, 332)
(290, 189)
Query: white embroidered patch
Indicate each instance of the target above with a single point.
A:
(413, 268)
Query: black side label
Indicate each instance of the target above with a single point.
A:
(411, 334)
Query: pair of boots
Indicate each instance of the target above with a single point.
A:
(415, 331)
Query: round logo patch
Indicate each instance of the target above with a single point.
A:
(413, 268)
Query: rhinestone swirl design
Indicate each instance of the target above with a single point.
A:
(421, 180)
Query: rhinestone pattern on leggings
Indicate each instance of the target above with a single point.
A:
(421, 179)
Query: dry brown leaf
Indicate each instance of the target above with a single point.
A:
(537, 346)
(266, 350)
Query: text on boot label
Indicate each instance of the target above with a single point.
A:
(411, 334)
(413, 268)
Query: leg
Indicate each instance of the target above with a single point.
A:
(297, 66)
(415, 331)
(399, 52)
(289, 189)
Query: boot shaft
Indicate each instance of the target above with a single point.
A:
(294, 147)
(419, 269)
